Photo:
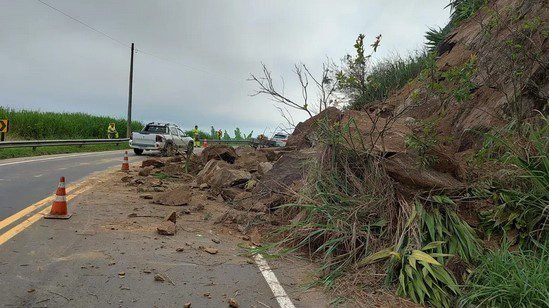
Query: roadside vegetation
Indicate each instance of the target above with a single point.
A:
(485, 244)
(27, 152)
(38, 125)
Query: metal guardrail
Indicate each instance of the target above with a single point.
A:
(46, 143)
(228, 141)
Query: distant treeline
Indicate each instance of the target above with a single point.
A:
(30, 125)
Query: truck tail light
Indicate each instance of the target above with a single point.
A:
(159, 138)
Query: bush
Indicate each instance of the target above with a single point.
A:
(510, 279)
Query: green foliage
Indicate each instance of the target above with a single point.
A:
(522, 197)
(31, 125)
(509, 279)
(442, 224)
(420, 276)
(239, 136)
(346, 207)
(464, 9)
(454, 83)
(435, 37)
(423, 140)
(366, 83)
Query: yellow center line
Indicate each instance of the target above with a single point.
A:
(37, 205)
(29, 221)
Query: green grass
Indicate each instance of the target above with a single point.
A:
(388, 76)
(25, 152)
(38, 125)
(510, 279)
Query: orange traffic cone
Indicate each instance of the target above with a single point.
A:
(205, 143)
(59, 207)
(125, 164)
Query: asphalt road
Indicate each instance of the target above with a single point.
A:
(24, 181)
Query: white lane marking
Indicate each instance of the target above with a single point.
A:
(56, 157)
(281, 297)
(38, 175)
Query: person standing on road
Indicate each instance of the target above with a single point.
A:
(111, 131)
(219, 134)
(196, 136)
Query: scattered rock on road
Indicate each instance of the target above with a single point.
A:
(160, 278)
(146, 196)
(166, 228)
(233, 303)
(187, 305)
(211, 251)
(146, 171)
(153, 162)
(175, 197)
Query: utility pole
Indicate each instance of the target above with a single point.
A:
(129, 132)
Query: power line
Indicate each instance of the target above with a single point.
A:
(84, 24)
(137, 49)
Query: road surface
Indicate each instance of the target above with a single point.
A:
(106, 256)
(24, 181)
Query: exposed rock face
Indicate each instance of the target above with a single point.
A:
(404, 169)
(219, 152)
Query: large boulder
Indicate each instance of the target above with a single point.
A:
(175, 197)
(205, 175)
(404, 168)
(288, 171)
(226, 177)
(155, 163)
(249, 159)
(304, 132)
(219, 152)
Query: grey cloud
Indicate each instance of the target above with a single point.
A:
(51, 62)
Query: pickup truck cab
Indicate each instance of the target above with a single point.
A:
(167, 138)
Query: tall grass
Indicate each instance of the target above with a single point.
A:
(521, 197)
(510, 279)
(346, 207)
(29, 124)
(388, 76)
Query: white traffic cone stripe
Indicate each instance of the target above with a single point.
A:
(61, 185)
(60, 199)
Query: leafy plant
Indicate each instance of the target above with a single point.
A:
(509, 279)
(435, 37)
(442, 224)
(464, 9)
(522, 198)
(423, 140)
(420, 276)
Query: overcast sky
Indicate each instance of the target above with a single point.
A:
(203, 52)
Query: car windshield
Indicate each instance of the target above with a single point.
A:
(155, 129)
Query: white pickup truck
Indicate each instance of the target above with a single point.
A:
(167, 138)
